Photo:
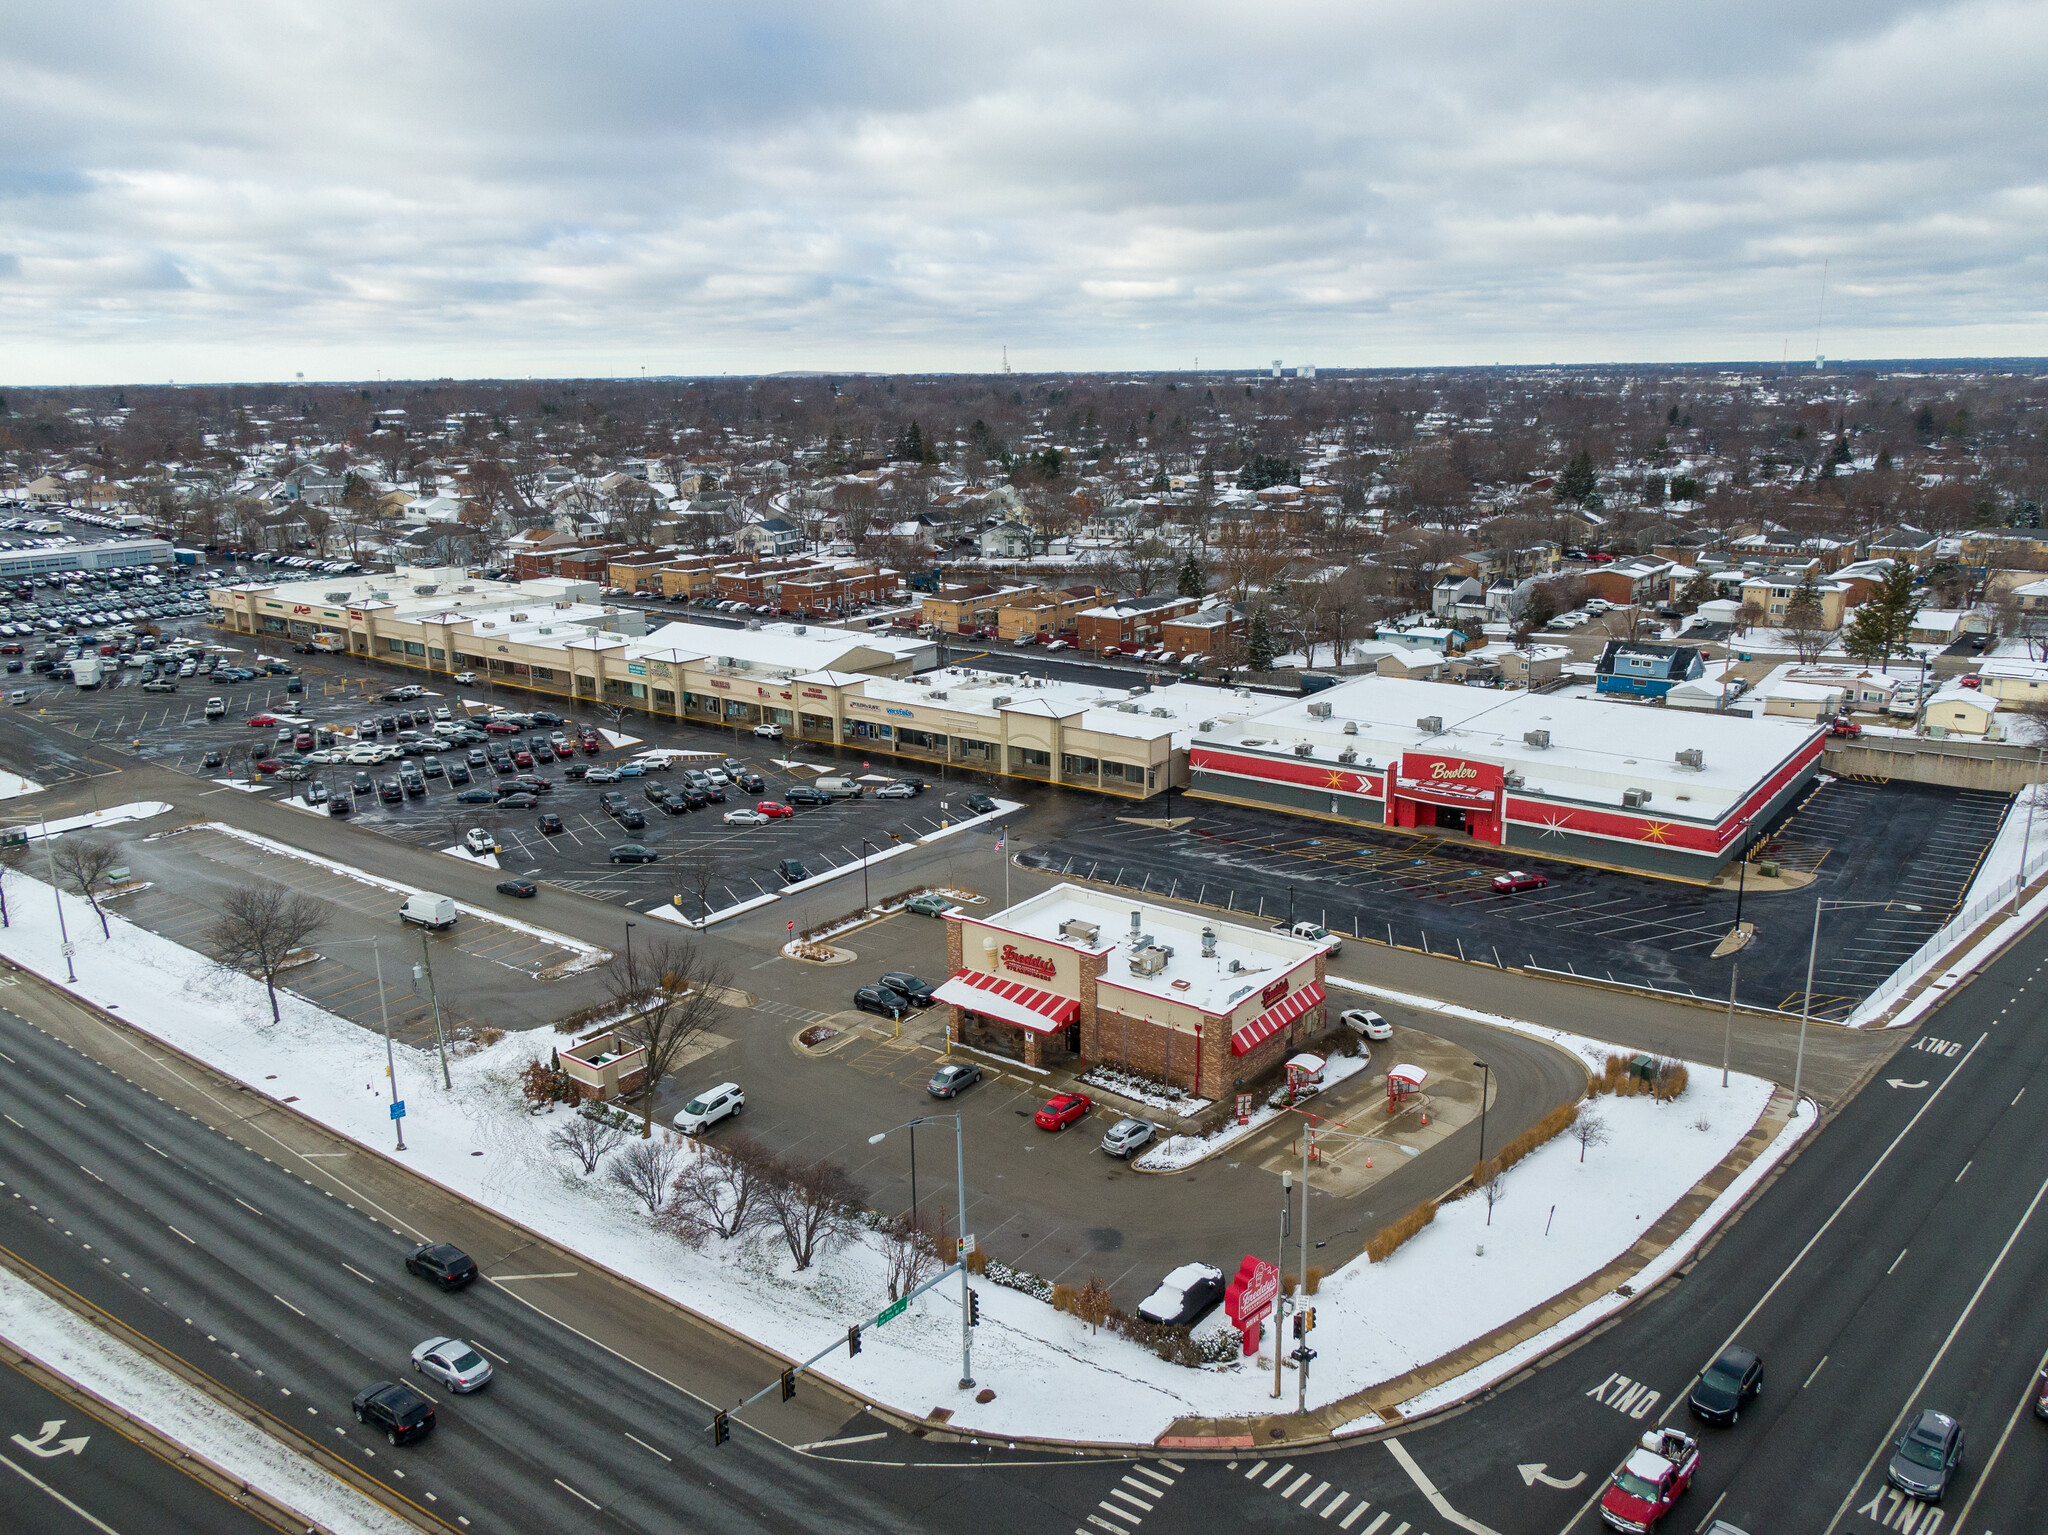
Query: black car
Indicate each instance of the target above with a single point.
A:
(476, 797)
(516, 799)
(693, 798)
(390, 791)
(210, 760)
(1927, 1456)
(394, 1409)
(341, 804)
(1726, 1384)
(534, 785)
(457, 774)
(630, 818)
(885, 1000)
(980, 804)
(443, 1262)
(804, 794)
(789, 871)
(362, 784)
(633, 852)
(551, 823)
(908, 985)
(576, 770)
(542, 717)
(753, 783)
(525, 889)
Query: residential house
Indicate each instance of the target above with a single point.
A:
(768, 537)
(1007, 541)
(1130, 622)
(1773, 593)
(1645, 669)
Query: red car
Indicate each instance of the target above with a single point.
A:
(775, 810)
(1509, 883)
(590, 747)
(268, 765)
(1650, 1481)
(1844, 728)
(1062, 1111)
(263, 719)
(500, 728)
(522, 759)
(1970, 682)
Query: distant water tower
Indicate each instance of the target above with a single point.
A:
(1306, 370)
(1276, 367)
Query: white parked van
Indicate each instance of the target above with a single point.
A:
(434, 911)
(838, 788)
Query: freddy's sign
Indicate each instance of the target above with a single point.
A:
(1027, 964)
(1248, 1298)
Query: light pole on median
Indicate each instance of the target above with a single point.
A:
(960, 1236)
(1485, 1077)
(1806, 996)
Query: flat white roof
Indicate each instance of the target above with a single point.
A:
(1261, 955)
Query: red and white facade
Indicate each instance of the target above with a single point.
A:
(1637, 785)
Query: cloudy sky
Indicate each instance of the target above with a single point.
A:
(234, 190)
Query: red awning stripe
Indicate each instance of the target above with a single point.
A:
(1275, 1018)
(1053, 1010)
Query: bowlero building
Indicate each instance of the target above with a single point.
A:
(1632, 786)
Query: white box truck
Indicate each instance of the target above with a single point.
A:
(85, 671)
(431, 911)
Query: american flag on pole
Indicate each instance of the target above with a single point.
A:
(1002, 839)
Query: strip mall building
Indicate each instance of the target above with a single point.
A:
(1073, 973)
(1659, 791)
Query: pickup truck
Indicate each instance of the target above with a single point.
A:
(1314, 932)
(1653, 1478)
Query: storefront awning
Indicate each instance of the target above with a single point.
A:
(1275, 1018)
(995, 996)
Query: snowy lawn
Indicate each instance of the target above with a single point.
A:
(1181, 1151)
(113, 815)
(13, 784)
(1051, 1377)
(74, 1348)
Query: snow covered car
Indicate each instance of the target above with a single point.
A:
(1187, 1294)
(453, 1363)
(478, 842)
(1650, 1481)
(1365, 1021)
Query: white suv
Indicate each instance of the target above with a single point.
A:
(710, 1106)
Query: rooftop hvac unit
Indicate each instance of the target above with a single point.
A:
(1079, 930)
(520, 618)
(999, 700)
(425, 591)
(1349, 754)
(380, 596)
(801, 629)
(1539, 739)
(1512, 780)
(1635, 798)
(1318, 711)
(1127, 708)
(1431, 724)
(727, 661)
(1208, 941)
(1351, 727)
(1162, 714)
(753, 623)
(335, 597)
(465, 588)
(1692, 757)
(1149, 960)
(1303, 748)
(1207, 726)
(939, 693)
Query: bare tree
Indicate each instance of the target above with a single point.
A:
(912, 1247)
(1494, 1189)
(587, 1138)
(1093, 1303)
(13, 854)
(644, 1171)
(1589, 1130)
(723, 1193)
(815, 1207)
(670, 993)
(259, 927)
(86, 862)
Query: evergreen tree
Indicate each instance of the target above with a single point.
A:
(1578, 484)
(1698, 590)
(1258, 645)
(1191, 582)
(1883, 623)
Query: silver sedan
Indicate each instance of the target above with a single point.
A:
(453, 1363)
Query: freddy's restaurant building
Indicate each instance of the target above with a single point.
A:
(1081, 977)
(1632, 786)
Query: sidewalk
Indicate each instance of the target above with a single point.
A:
(1382, 1404)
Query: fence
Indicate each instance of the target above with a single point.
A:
(1937, 948)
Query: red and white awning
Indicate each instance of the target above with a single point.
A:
(1275, 1018)
(995, 996)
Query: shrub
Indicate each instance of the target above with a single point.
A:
(1063, 1298)
(1671, 1080)
(1315, 1280)
(977, 1261)
(1548, 1128)
(1388, 1239)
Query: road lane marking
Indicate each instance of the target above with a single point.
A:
(1309, 1501)
(174, 1231)
(247, 1206)
(1333, 1505)
(1122, 1513)
(1900, 1259)
(1297, 1484)
(1966, 1167)
(2026, 1400)
(44, 1487)
(1823, 1360)
(1158, 1476)
(1138, 1503)
(96, 1178)
(1428, 1489)
(1279, 1476)
(651, 1450)
(572, 1493)
(13, 1121)
(287, 1305)
(508, 1278)
(1891, 1434)
(159, 1153)
(365, 1278)
(1370, 1529)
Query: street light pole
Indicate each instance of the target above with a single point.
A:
(1280, 1289)
(865, 847)
(1728, 1028)
(2019, 883)
(63, 935)
(629, 953)
(1485, 1077)
(960, 1241)
(390, 1065)
(1301, 1364)
(433, 996)
(1812, 949)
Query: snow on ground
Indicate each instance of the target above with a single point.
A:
(246, 787)
(1050, 1376)
(113, 815)
(2002, 860)
(1180, 1151)
(75, 1349)
(589, 952)
(613, 738)
(13, 784)
(488, 860)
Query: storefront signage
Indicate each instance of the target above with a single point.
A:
(635, 669)
(1248, 1298)
(355, 612)
(814, 693)
(1274, 992)
(301, 609)
(903, 713)
(1457, 780)
(716, 683)
(1027, 964)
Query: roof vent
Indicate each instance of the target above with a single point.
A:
(1162, 714)
(801, 629)
(465, 588)
(1431, 724)
(1318, 711)
(1351, 727)
(380, 596)
(520, 618)
(1692, 757)
(1539, 739)
(1137, 923)
(999, 700)
(939, 693)
(1349, 754)
(1304, 748)
(1634, 798)
(1127, 708)
(335, 597)
(1512, 780)
(1079, 930)
(425, 591)
(1207, 726)
(1208, 941)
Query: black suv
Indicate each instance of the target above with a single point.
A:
(908, 985)
(804, 794)
(980, 804)
(394, 1408)
(447, 1265)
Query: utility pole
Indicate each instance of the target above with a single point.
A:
(1728, 1028)
(1280, 1289)
(440, 1041)
(64, 936)
(2019, 883)
(390, 1066)
(1301, 1307)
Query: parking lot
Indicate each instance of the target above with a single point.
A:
(1910, 844)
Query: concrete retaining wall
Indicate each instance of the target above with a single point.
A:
(1950, 763)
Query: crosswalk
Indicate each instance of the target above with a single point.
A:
(1135, 1495)
(1293, 1485)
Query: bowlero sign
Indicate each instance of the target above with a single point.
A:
(1459, 781)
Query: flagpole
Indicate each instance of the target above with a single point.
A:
(1003, 847)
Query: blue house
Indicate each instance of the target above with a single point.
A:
(1641, 669)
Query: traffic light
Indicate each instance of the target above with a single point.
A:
(788, 1384)
(1311, 1314)
(852, 1340)
(973, 1308)
(721, 1428)
(1300, 1331)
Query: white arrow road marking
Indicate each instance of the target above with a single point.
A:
(1898, 1082)
(50, 1431)
(1534, 1473)
(1427, 1488)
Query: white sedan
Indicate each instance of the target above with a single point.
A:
(745, 818)
(896, 791)
(453, 1363)
(1367, 1022)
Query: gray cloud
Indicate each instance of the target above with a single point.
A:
(243, 190)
